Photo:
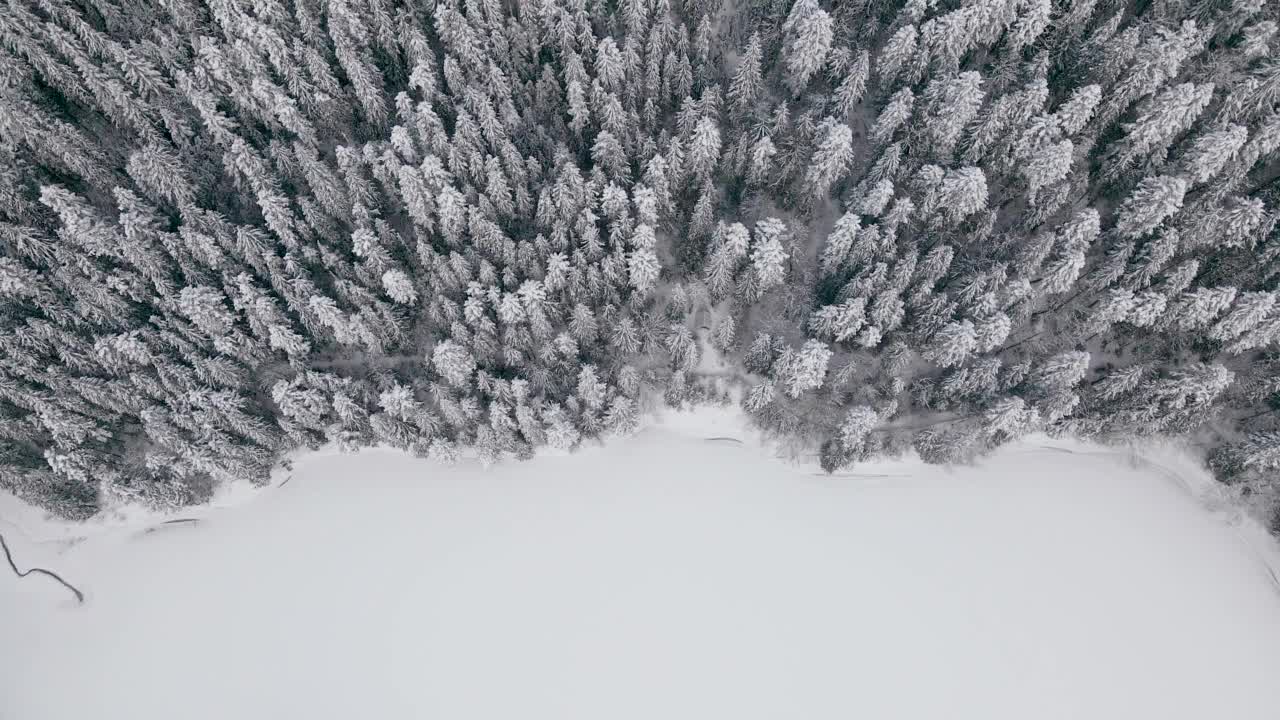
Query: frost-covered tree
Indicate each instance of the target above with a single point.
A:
(839, 322)
(1248, 310)
(1196, 309)
(952, 344)
(1151, 203)
(1009, 419)
(853, 87)
(897, 54)
(807, 35)
(768, 257)
(1211, 152)
(643, 265)
(399, 287)
(453, 362)
(805, 369)
(858, 423)
(831, 157)
(950, 105)
(747, 82)
(839, 245)
(962, 192)
(893, 116)
(1167, 114)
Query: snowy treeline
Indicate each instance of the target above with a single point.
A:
(235, 227)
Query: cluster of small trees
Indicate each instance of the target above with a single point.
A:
(234, 228)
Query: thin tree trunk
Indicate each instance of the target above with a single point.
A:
(1257, 414)
(21, 574)
(1030, 337)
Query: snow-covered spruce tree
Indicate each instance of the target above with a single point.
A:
(807, 35)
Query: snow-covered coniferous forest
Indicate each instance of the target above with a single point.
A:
(230, 229)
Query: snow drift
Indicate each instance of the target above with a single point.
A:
(663, 576)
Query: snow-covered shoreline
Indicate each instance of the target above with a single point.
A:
(707, 423)
(676, 573)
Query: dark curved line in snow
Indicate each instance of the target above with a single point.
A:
(21, 574)
(733, 440)
(171, 523)
(860, 475)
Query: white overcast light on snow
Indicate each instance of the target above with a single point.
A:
(665, 576)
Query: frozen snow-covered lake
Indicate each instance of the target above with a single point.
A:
(662, 577)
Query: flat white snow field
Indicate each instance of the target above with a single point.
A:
(664, 576)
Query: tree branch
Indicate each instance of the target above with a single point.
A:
(21, 574)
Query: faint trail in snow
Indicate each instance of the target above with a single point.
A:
(860, 475)
(1136, 459)
(66, 542)
(731, 440)
(1271, 571)
(170, 523)
(21, 574)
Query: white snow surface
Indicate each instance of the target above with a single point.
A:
(661, 576)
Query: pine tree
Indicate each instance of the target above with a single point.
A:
(831, 157)
(898, 54)
(454, 363)
(643, 265)
(590, 389)
(1009, 419)
(1248, 310)
(1049, 165)
(1151, 203)
(1188, 389)
(1029, 26)
(858, 423)
(399, 287)
(767, 255)
(807, 35)
(762, 154)
(892, 117)
(853, 87)
(745, 88)
(950, 104)
(1164, 117)
(1211, 152)
(953, 344)
(963, 192)
(1198, 308)
(704, 148)
(837, 250)
(839, 322)
(1072, 116)
(804, 370)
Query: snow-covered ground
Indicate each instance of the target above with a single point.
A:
(665, 576)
